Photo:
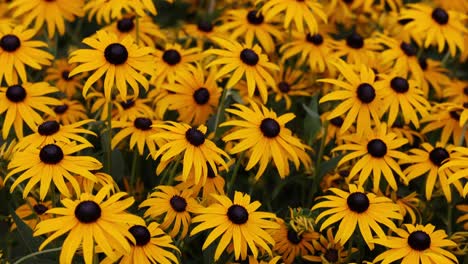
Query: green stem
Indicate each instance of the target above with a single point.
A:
(350, 247)
(109, 135)
(321, 150)
(37, 253)
(220, 111)
(134, 168)
(234, 174)
(449, 219)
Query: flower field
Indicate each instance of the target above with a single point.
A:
(248, 131)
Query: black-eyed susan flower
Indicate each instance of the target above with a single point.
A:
(445, 116)
(458, 163)
(237, 222)
(32, 212)
(191, 144)
(402, 97)
(69, 112)
(243, 60)
(408, 205)
(254, 260)
(88, 185)
(202, 31)
(377, 151)
(51, 163)
(151, 245)
(301, 13)
(263, 134)
(49, 132)
(194, 96)
(59, 75)
(357, 208)
(328, 251)
(52, 13)
(122, 62)
(129, 110)
(21, 102)
(140, 131)
(420, 244)
(173, 206)
(434, 76)
(355, 48)
(456, 91)
(250, 25)
(17, 50)
(289, 84)
(436, 26)
(91, 220)
(108, 10)
(360, 97)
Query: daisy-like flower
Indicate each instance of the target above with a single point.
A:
(290, 83)
(191, 144)
(420, 244)
(91, 220)
(436, 26)
(17, 50)
(299, 12)
(402, 96)
(52, 163)
(356, 208)
(140, 131)
(51, 131)
(329, 251)
(21, 103)
(120, 61)
(355, 48)
(53, 13)
(456, 91)
(264, 135)
(202, 31)
(249, 25)
(194, 96)
(176, 207)
(434, 76)
(458, 163)
(108, 10)
(174, 62)
(69, 112)
(377, 151)
(151, 245)
(314, 50)
(129, 110)
(237, 222)
(32, 212)
(59, 75)
(360, 97)
(445, 116)
(408, 205)
(243, 60)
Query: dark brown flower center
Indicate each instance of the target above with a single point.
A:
(358, 202)
(10, 43)
(127, 104)
(201, 96)
(270, 127)
(284, 87)
(141, 234)
(48, 128)
(438, 155)
(60, 109)
(171, 57)
(195, 137)
(237, 214)
(88, 212)
(377, 148)
(143, 123)
(293, 237)
(254, 17)
(331, 255)
(205, 26)
(178, 203)
(66, 76)
(249, 57)
(408, 49)
(419, 240)
(440, 16)
(355, 41)
(125, 25)
(315, 39)
(366, 93)
(116, 54)
(51, 154)
(399, 85)
(40, 209)
(16, 93)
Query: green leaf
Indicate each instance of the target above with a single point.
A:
(312, 122)
(26, 233)
(328, 166)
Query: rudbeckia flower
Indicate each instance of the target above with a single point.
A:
(243, 60)
(108, 10)
(21, 101)
(459, 164)
(176, 207)
(17, 50)
(356, 208)
(436, 26)
(89, 221)
(59, 75)
(53, 13)
(264, 135)
(434, 76)
(140, 131)
(237, 222)
(51, 163)
(355, 48)
(192, 144)
(446, 116)
(151, 245)
(32, 212)
(420, 244)
(289, 84)
(202, 31)
(130, 109)
(69, 112)
(120, 61)
(329, 251)
(377, 152)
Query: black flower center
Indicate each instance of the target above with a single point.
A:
(440, 16)
(315, 39)
(408, 49)
(455, 115)
(404, 21)
(195, 137)
(358, 202)
(254, 17)
(377, 148)
(178, 203)
(348, 1)
(237, 214)
(171, 57)
(366, 93)
(142, 123)
(127, 104)
(16, 93)
(423, 63)
(249, 57)
(205, 26)
(87, 212)
(141, 234)
(343, 173)
(48, 128)
(293, 237)
(66, 76)
(201, 96)
(438, 155)
(125, 25)
(116, 53)
(419, 240)
(51, 154)
(40, 209)
(399, 85)
(270, 127)
(331, 255)
(10, 43)
(284, 87)
(337, 121)
(60, 109)
(355, 41)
